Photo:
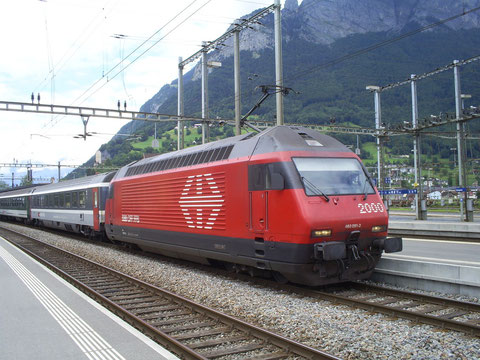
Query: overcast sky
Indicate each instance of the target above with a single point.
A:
(60, 48)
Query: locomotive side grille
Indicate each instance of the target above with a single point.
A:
(200, 157)
(195, 202)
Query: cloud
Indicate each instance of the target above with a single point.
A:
(74, 39)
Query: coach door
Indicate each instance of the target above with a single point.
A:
(95, 202)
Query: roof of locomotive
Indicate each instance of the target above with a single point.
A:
(275, 139)
(296, 138)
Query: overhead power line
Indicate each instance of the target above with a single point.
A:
(53, 122)
(137, 48)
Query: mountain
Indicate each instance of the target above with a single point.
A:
(318, 33)
(333, 49)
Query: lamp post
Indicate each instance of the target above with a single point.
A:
(468, 202)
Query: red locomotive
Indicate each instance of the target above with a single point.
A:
(288, 201)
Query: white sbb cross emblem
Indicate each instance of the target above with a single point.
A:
(201, 201)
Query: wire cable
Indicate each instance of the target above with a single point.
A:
(132, 52)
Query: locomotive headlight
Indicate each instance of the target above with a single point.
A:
(321, 233)
(379, 228)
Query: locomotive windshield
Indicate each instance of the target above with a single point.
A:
(333, 176)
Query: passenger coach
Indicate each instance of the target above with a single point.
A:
(15, 204)
(75, 205)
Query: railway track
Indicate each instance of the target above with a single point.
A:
(440, 312)
(186, 328)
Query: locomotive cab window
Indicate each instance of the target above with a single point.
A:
(333, 176)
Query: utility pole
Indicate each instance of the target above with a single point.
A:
(180, 109)
(278, 62)
(236, 73)
(205, 127)
(420, 204)
(378, 120)
(59, 171)
(462, 181)
(211, 45)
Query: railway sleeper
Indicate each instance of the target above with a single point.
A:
(453, 314)
(111, 285)
(197, 335)
(139, 300)
(271, 356)
(155, 309)
(387, 301)
(111, 292)
(166, 315)
(190, 319)
(88, 277)
(129, 296)
(143, 304)
(189, 326)
(219, 341)
(430, 309)
(409, 305)
(232, 350)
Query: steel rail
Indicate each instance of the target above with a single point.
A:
(471, 327)
(71, 270)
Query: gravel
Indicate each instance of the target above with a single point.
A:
(336, 329)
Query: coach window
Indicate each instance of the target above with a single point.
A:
(81, 199)
(74, 199)
(50, 201)
(56, 200)
(62, 200)
(67, 200)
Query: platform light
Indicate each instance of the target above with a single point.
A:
(321, 233)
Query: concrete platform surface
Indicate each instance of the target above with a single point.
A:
(43, 317)
(433, 265)
(455, 229)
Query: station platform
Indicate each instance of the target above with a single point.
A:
(441, 226)
(44, 317)
(433, 265)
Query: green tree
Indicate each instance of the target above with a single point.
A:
(25, 181)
